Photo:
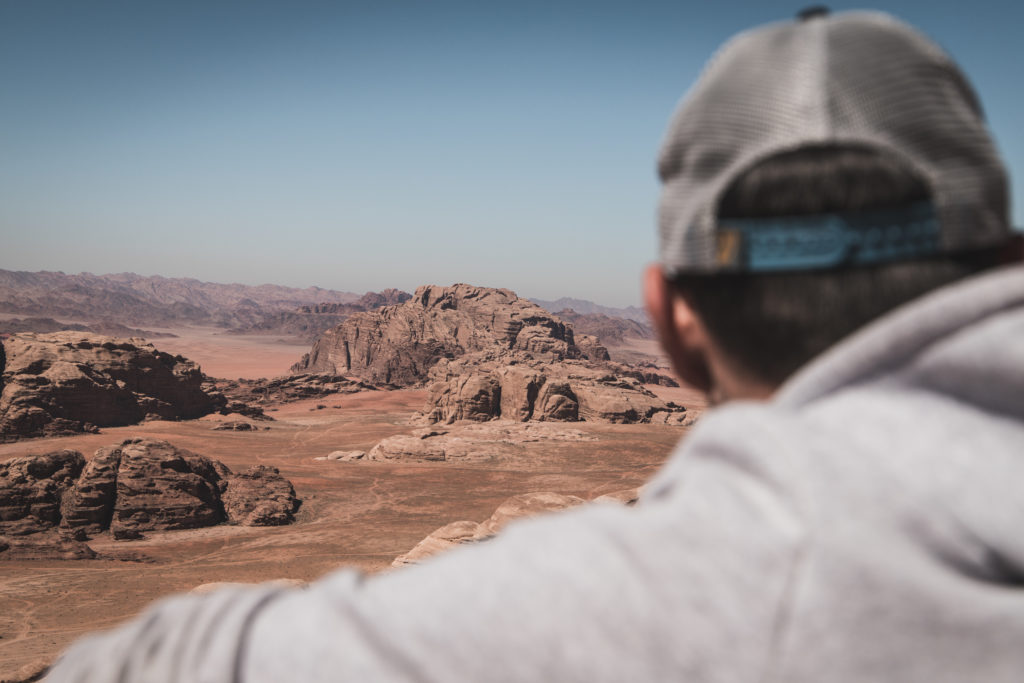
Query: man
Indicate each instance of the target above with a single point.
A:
(833, 228)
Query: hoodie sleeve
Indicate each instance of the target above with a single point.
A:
(689, 584)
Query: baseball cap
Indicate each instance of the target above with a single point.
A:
(860, 79)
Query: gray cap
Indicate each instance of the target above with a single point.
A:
(862, 79)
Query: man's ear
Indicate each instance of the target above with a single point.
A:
(679, 329)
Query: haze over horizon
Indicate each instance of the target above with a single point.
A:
(360, 147)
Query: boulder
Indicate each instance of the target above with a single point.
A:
(160, 487)
(343, 456)
(67, 382)
(260, 496)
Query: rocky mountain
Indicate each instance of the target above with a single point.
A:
(586, 307)
(67, 382)
(611, 331)
(138, 485)
(400, 344)
(487, 354)
(309, 322)
(135, 299)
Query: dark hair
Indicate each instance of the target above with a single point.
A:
(770, 324)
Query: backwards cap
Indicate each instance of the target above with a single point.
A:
(860, 79)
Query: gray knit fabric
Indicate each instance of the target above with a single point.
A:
(858, 78)
(865, 525)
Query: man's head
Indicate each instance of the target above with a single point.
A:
(819, 174)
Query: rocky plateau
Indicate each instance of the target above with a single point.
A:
(67, 382)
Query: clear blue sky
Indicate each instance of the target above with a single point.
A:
(358, 146)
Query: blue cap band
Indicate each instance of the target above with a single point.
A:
(828, 240)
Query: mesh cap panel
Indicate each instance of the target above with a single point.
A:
(857, 78)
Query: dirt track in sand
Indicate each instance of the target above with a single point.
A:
(359, 515)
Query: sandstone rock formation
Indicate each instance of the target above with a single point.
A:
(89, 505)
(44, 546)
(342, 456)
(481, 389)
(31, 489)
(516, 507)
(66, 382)
(486, 442)
(592, 347)
(487, 354)
(161, 487)
(237, 426)
(260, 496)
(255, 392)
(400, 344)
(138, 485)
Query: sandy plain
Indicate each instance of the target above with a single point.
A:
(359, 515)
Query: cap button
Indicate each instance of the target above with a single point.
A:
(812, 12)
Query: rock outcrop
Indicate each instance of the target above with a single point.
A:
(474, 442)
(260, 496)
(89, 505)
(255, 392)
(516, 507)
(67, 382)
(400, 344)
(342, 456)
(31, 489)
(138, 485)
(481, 389)
(161, 487)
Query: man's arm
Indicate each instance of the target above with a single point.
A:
(688, 582)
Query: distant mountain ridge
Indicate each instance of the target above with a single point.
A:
(310, 321)
(611, 330)
(583, 306)
(152, 300)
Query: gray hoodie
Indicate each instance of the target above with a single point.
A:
(867, 524)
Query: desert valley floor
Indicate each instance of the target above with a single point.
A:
(354, 514)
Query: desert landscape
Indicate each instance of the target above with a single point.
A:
(251, 449)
